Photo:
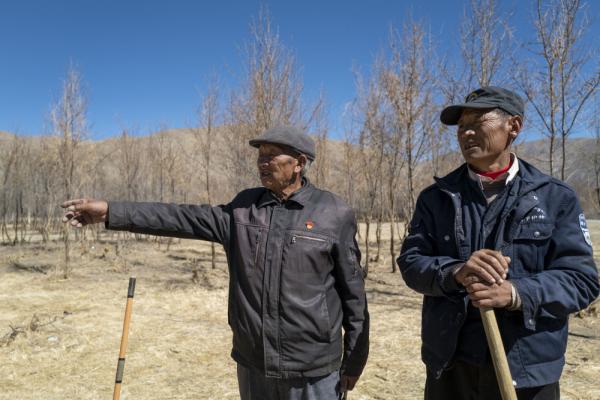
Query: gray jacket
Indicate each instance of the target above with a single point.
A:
(295, 275)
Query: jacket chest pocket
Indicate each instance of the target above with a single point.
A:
(306, 253)
(530, 246)
(252, 240)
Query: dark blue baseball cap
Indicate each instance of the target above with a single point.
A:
(485, 97)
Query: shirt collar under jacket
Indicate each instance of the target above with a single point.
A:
(300, 196)
(508, 176)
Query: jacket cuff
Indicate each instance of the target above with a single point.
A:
(352, 368)
(118, 217)
(529, 305)
(515, 299)
(447, 281)
(354, 361)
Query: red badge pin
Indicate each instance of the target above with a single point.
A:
(309, 224)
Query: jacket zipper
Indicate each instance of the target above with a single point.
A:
(294, 237)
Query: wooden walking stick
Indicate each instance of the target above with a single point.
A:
(492, 333)
(124, 338)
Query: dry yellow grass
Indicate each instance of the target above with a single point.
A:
(179, 341)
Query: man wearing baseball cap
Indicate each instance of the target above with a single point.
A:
(294, 268)
(496, 232)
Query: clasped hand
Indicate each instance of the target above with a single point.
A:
(484, 278)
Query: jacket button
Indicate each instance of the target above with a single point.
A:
(514, 383)
(446, 238)
(530, 322)
(536, 233)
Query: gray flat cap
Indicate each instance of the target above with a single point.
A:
(290, 136)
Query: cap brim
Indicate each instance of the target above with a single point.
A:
(258, 141)
(451, 114)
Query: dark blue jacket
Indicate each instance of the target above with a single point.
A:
(542, 229)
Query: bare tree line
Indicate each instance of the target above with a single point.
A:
(556, 86)
(392, 139)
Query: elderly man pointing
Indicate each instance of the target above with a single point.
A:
(294, 268)
(496, 232)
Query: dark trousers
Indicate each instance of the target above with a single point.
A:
(465, 381)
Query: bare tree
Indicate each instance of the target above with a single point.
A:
(558, 87)
(167, 170)
(208, 116)
(129, 165)
(408, 84)
(321, 168)
(45, 183)
(486, 47)
(485, 43)
(7, 168)
(270, 95)
(166, 167)
(596, 154)
(14, 178)
(69, 122)
(370, 107)
(348, 166)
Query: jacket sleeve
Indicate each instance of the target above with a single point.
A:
(421, 267)
(203, 222)
(569, 281)
(350, 285)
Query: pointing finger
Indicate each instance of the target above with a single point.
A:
(70, 203)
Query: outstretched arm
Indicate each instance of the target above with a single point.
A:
(186, 221)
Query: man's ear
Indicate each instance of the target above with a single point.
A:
(516, 124)
(302, 160)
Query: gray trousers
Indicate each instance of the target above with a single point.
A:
(255, 386)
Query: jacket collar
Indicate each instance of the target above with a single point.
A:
(506, 177)
(531, 178)
(300, 196)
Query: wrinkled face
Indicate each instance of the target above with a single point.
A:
(278, 167)
(484, 137)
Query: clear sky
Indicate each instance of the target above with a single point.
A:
(146, 63)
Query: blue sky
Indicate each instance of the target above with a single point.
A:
(146, 63)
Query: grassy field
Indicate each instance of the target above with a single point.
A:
(59, 339)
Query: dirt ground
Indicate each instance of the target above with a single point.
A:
(59, 339)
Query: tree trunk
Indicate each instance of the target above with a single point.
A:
(552, 155)
(564, 157)
(67, 246)
(17, 221)
(367, 256)
(213, 254)
(392, 239)
(378, 235)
